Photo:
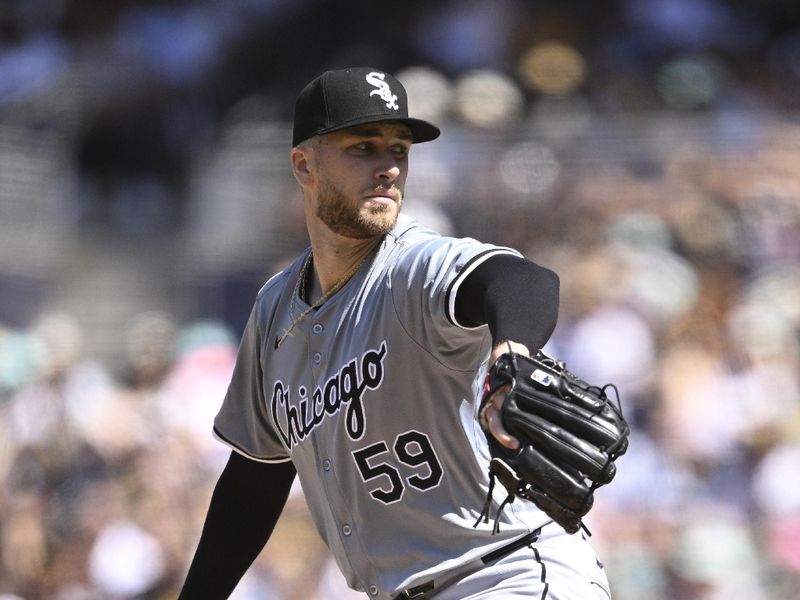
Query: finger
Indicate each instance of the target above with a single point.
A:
(494, 421)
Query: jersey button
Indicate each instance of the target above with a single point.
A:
(317, 328)
(317, 358)
(347, 530)
(326, 464)
(373, 590)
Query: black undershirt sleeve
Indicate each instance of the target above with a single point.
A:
(246, 503)
(517, 298)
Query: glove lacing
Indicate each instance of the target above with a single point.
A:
(513, 484)
(487, 506)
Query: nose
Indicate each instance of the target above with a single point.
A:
(388, 170)
(390, 174)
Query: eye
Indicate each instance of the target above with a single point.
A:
(361, 148)
(400, 150)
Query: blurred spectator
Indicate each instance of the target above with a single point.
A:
(125, 561)
(646, 151)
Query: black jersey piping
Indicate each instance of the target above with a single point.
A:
(468, 267)
(544, 572)
(218, 434)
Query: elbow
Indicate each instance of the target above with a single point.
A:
(547, 286)
(549, 281)
(550, 284)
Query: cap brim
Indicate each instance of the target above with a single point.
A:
(421, 131)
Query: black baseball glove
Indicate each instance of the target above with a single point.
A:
(570, 435)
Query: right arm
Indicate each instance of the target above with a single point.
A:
(246, 503)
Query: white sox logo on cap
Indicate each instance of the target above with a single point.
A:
(353, 96)
(376, 80)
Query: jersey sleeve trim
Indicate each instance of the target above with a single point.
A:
(469, 267)
(238, 450)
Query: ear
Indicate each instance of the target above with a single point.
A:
(301, 165)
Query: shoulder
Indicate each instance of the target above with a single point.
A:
(413, 240)
(271, 293)
(408, 232)
(273, 286)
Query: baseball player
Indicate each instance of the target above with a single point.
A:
(360, 371)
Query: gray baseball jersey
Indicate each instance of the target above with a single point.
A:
(373, 398)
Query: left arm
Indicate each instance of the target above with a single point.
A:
(518, 300)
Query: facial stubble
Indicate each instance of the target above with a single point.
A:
(355, 220)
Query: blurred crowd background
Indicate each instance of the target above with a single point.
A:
(646, 150)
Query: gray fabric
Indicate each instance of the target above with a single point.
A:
(373, 399)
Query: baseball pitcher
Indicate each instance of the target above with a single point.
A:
(370, 368)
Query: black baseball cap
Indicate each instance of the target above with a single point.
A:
(347, 97)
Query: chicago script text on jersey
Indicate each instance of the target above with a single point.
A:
(295, 422)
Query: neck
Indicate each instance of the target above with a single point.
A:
(334, 263)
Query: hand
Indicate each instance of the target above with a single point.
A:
(492, 414)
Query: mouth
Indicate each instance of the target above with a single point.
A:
(385, 195)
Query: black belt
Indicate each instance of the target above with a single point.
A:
(422, 591)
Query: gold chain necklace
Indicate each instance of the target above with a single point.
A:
(300, 289)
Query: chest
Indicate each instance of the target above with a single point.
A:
(338, 360)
